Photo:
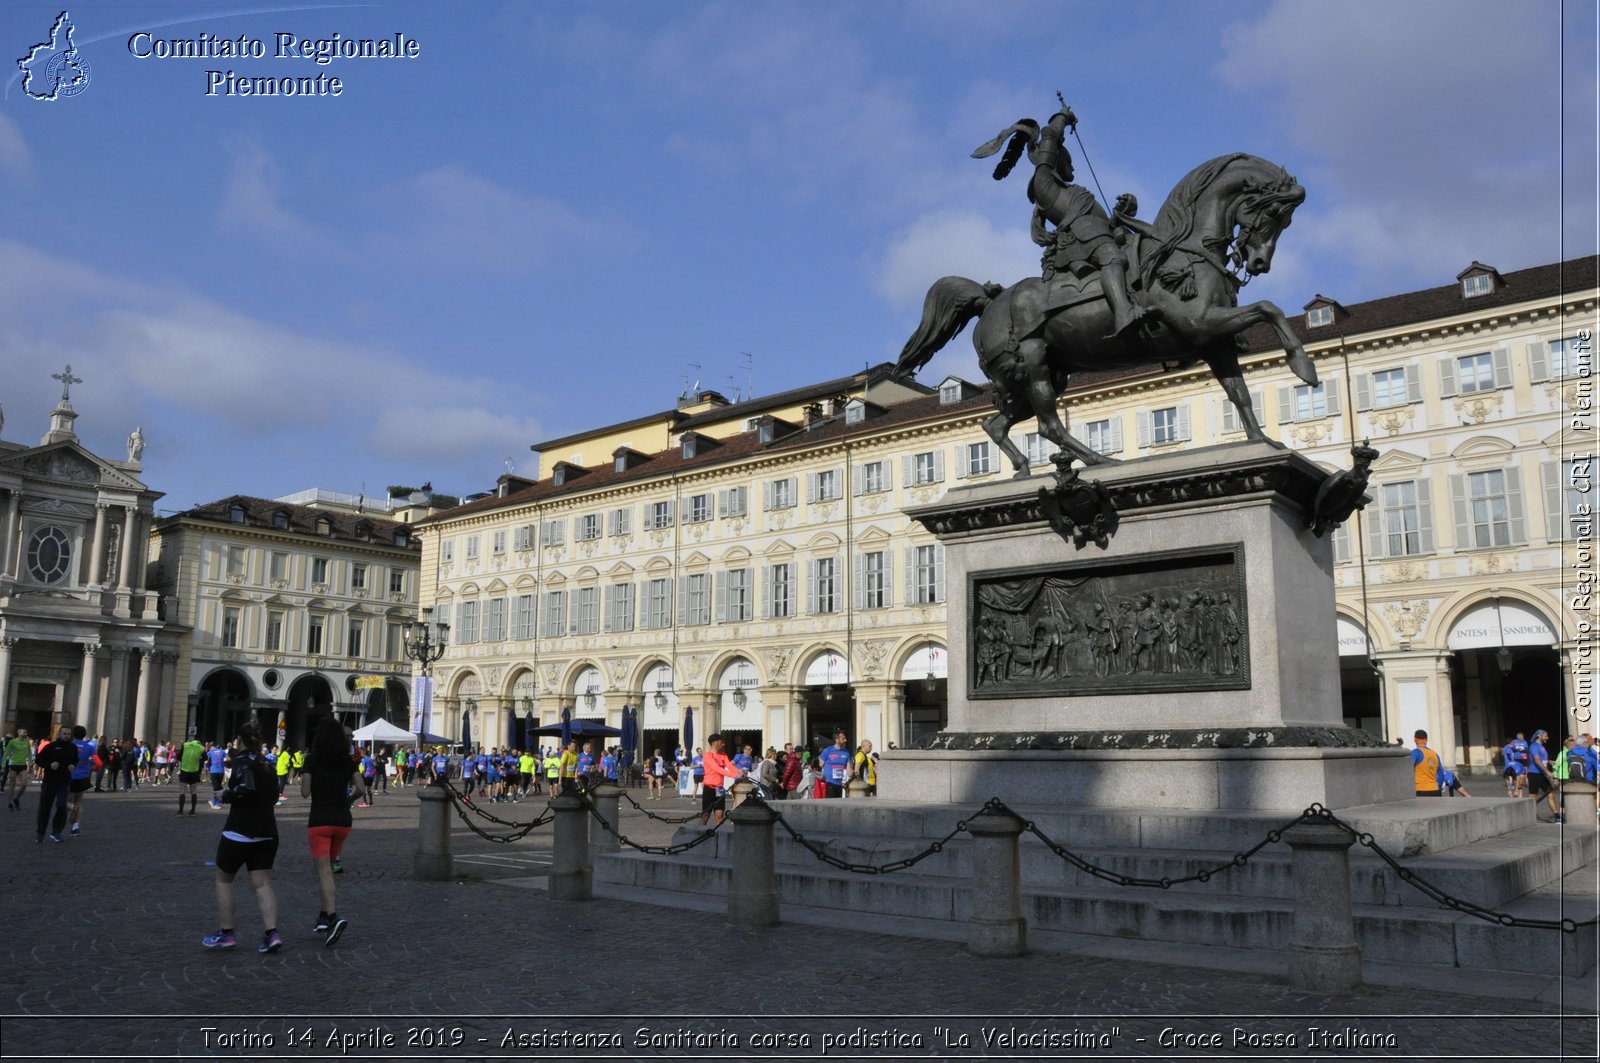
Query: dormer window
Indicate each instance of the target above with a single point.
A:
(280, 519)
(236, 513)
(324, 526)
(1477, 284)
(855, 412)
(1318, 316)
(695, 444)
(402, 538)
(363, 530)
(949, 392)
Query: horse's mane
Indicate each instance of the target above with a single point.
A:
(1175, 221)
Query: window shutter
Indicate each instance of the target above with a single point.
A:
(938, 466)
(906, 471)
(1330, 388)
(811, 586)
(672, 512)
(888, 577)
(609, 621)
(683, 601)
(1285, 404)
(938, 573)
(1116, 435)
(1341, 543)
(1458, 510)
(766, 592)
(766, 495)
(1230, 416)
(1363, 392)
(812, 480)
(719, 592)
(722, 502)
(641, 603)
(1514, 511)
(888, 474)
(1555, 520)
(1538, 362)
(911, 575)
(794, 489)
(1502, 367)
(855, 479)
(1425, 514)
(963, 460)
(1447, 378)
(858, 582)
(1413, 383)
(1144, 428)
(1373, 518)
(1183, 422)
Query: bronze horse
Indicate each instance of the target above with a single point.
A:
(1224, 215)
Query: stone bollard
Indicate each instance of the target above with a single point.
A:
(1578, 799)
(571, 874)
(998, 927)
(856, 787)
(432, 861)
(753, 897)
(738, 793)
(607, 798)
(1324, 956)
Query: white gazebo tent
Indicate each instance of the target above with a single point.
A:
(383, 731)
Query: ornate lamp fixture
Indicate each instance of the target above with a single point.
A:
(1503, 656)
(740, 698)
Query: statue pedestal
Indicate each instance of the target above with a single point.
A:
(1192, 664)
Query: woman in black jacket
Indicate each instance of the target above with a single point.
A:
(249, 839)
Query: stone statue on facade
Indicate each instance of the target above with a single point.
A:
(136, 445)
(1116, 292)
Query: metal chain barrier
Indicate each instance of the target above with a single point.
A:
(658, 818)
(520, 831)
(868, 869)
(659, 850)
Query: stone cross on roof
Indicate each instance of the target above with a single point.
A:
(67, 380)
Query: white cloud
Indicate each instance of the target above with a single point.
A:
(16, 163)
(251, 206)
(957, 242)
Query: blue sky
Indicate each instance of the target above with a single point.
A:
(542, 222)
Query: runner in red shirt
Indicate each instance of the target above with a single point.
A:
(720, 774)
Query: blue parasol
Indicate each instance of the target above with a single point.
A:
(688, 732)
(466, 731)
(566, 726)
(630, 734)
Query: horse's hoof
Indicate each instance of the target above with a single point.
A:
(1020, 474)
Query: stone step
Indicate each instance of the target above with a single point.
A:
(1395, 934)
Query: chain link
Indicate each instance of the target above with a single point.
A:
(659, 818)
(522, 830)
(659, 850)
(863, 869)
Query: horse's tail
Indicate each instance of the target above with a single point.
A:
(951, 303)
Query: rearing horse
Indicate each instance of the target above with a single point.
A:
(1224, 215)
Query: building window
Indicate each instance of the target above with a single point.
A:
(925, 468)
(554, 623)
(978, 459)
(357, 628)
(588, 605)
(619, 610)
(661, 515)
(622, 521)
(280, 520)
(472, 548)
(1390, 387)
(874, 477)
(1164, 425)
(1039, 450)
(855, 412)
(278, 566)
(1319, 316)
(588, 529)
(927, 574)
(780, 591)
(1402, 520)
(1569, 499)
(397, 581)
(874, 580)
(1310, 402)
(467, 627)
(780, 493)
(824, 590)
(235, 561)
(826, 486)
(358, 576)
(314, 628)
(394, 635)
(739, 605)
(1104, 436)
(230, 627)
(699, 508)
(402, 538)
(275, 630)
(447, 551)
(497, 542)
(734, 502)
(1475, 372)
(236, 514)
(1477, 284)
(522, 617)
(949, 392)
(319, 570)
(525, 537)
(1489, 511)
(494, 621)
(553, 532)
(658, 604)
(697, 599)
(1569, 357)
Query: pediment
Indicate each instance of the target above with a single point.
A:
(67, 463)
(1397, 459)
(1483, 446)
(620, 571)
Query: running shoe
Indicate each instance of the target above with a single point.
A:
(338, 868)
(55, 837)
(322, 924)
(336, 931)
(74, 831)
(222, 939)
(271, 941)
(215, 803)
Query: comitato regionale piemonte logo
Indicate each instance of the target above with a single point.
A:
(55, 69)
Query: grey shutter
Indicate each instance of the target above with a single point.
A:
(1230, 416)
(1458, 510)
(610, 620)
(1116, 435)
(911, 575)
(1183, 422)
(719, 590)
(1373, 518)
(858, 582)
(963, 458)
(1514, 510)
(641, 602)
(683, 600)
(1413, 383)
(811, 486)
(1258, 405)
(888, 577)
(811, 586)
(907, 473)
(672, 511)
(1285, 404)
(938, 572)
(1330, 388)
(1555, 520)
(766, 592)
(1447, 377)
(1341, 543)
(855, 480)
(794, 489)
(1501, 358)
(1425, 515)
(938, 466)
(1363, 392)
(1144, 428)
(571, 608)
(1538, 362)
(722, 502)
(888, 474)
(766, 495)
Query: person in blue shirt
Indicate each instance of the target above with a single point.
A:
(493, 777)
(835, 764)
(699, 767)
(440, 767)
(79, 780)
(1585, 753)
(369, 774)
(215, 765)
(1540, 783)
(744, 759)
(608, 765)
(1450, 784)
(585, 764)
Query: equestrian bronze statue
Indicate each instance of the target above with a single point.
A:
(1116, 292)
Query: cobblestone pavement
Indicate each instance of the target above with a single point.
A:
(101, 959)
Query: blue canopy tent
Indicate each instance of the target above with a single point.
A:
(567, 730)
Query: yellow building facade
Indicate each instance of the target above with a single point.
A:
(749, 565)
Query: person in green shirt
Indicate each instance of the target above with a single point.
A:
(527, 766)
(552, 772)
(190, 758)
(285, 761)
(19, 752)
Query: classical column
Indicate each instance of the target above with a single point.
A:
(142, 554)
(7, 644)
(149, 668)
(8, 548)
(88, 688)
(130, 528)
(115, 717)
(97, 553)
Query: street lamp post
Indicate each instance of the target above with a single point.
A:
(425, 643)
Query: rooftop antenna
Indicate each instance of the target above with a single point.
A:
(750, 374)
(733, 386)
(696, 389)
(511, 466)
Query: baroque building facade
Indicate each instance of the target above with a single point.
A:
(82, 637)
(292, 609)
(749, 565)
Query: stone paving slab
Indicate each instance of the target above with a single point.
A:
(101, 960)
